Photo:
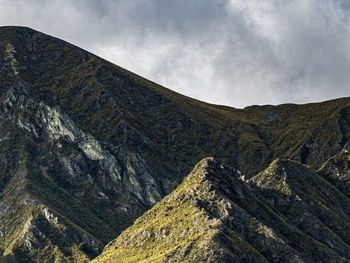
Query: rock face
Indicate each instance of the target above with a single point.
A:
(287, 213)
(86, 147)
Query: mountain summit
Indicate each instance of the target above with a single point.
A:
(87, 147)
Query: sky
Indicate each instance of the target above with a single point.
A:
(231, 52)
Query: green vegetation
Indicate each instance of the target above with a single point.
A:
(286, 213)
(150, 138)
(176, 228)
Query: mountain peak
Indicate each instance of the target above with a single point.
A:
(213, 216)
(87, 147)
(10, 31)
(192, 215)
(277, 175)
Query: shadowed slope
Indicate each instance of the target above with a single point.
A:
(215, 217)
(337, 170)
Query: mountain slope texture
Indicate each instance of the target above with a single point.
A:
(216, 216)
(87, 148)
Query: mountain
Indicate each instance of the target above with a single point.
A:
(86, 147)
(286, 213)
(337, 170)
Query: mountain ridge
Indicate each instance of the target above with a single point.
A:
(87, 147)
(223, 218)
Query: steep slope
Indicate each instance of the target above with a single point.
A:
(337, 170)
(86, 146)
(286, 213)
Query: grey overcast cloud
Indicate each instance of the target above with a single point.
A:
(232, 52)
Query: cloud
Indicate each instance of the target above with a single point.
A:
(233, 52)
